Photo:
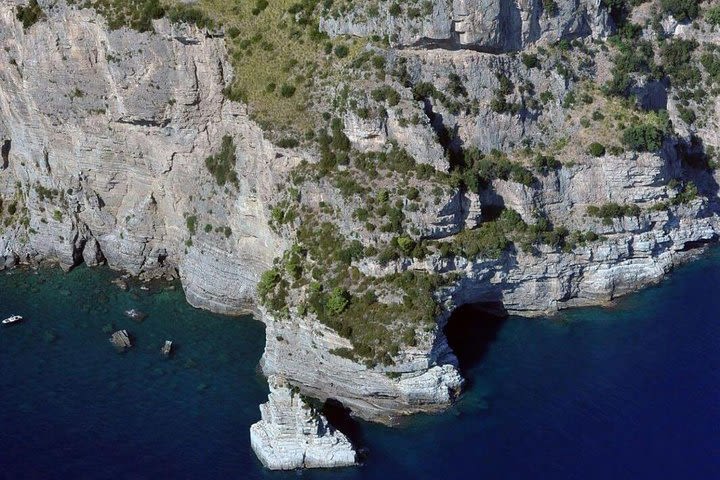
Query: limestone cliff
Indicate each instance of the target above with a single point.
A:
(471, 153)
(106, 135)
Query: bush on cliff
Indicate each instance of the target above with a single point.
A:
(596, 149)
(608, 211)
(30, 15)
(682, 10)
(643, 138)
(222, 165)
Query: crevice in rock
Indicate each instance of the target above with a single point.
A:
(694, 245)
(145, 123)
(46, 159)
(453, 45)
(5, 154)
(450, 142)
(471, 331)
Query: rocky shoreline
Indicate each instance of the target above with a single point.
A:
(105, 134)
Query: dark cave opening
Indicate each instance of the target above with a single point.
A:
(339, 417)
(472, 329)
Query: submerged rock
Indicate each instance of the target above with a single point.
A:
(121, 284)
(293, 434)
(121, 340)
(135, 314)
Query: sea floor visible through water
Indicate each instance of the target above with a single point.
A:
(630, 392)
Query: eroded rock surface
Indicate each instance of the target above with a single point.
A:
(292, 434)
(104, 135)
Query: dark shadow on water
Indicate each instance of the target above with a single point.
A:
(339, 417)
(471, 331)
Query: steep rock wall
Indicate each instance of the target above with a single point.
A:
(110, 129)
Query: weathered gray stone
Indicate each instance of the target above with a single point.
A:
(121, 340)
(292, 434)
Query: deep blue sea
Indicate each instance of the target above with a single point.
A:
(630, 392)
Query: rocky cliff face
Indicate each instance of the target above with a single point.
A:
(495, 26)
(105, 137)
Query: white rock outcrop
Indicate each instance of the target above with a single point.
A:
(292, 434)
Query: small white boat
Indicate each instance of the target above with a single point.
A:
(13, 319)
(167, 348)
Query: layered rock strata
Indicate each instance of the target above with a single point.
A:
(291, 434)
(104, 136)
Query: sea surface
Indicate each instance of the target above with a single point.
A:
(629, 392)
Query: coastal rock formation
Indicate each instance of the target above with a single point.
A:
(108, 138)
(426, 379)
(292, 434)
(121, 340)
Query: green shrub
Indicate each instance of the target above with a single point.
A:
(30, 14)
(288, 142)
(260, 6)
(608, 211)
(338, 301)
(287, 91)
(530, 60)
(386, 93)
(222, 165)
(184, 13)
(643, 138)
(550, 7)
(681, 9)
(596, 149)
(545, 163)
(191, 223)
(679, 64)
(712, 15)
(489, 240)
(135, 14)
(687, 115)
(406, 245)
(268, 281)
(341, 51)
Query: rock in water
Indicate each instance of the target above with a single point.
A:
(292, 434)
(135, 314)
(121, 284)
(121, 340)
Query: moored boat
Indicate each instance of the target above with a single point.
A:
(13, 319)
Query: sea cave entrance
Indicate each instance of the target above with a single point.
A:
(472, 329)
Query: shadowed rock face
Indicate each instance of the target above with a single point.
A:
(494, 26)
(104, 136)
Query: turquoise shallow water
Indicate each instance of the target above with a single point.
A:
(627, 392)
